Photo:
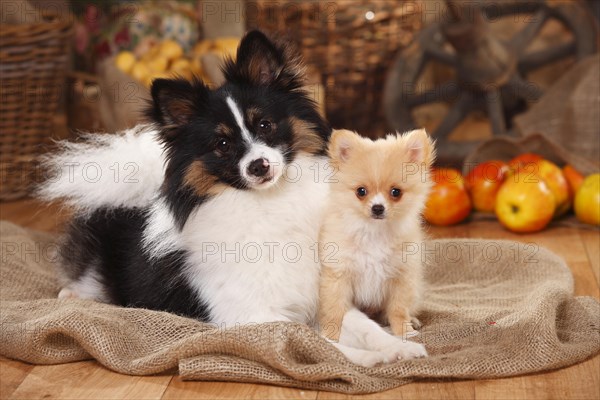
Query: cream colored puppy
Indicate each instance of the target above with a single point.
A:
(373, 218)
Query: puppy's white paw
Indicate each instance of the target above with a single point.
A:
(412, 333)
(399, 351)
(67, 293)
(405, 350)
(372, 358)
(367, 358)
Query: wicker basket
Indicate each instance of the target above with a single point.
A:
(33, 64)
(351, 43)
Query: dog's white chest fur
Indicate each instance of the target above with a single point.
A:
(254, 253)
(374, 262)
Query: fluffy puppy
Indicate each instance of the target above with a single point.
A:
(215, 208)
(371, 227)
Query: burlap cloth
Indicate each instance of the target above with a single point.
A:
(494, 309)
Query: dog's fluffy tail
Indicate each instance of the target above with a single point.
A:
(106, 170)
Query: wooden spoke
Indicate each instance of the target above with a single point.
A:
(445, 92)
(493, 100)
(441, 55)
(536, 59)
(525, 36)
(456, 114)
(523, 89)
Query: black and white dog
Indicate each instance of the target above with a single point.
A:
(219, 217)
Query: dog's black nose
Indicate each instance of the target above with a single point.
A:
(258, 167)
(378, 209)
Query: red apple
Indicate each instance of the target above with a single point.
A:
(574, 179)
(448, 202)
(483, 183)
(524, 205)
(523, 160)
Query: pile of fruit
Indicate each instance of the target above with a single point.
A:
(525, 194)
(167, 59)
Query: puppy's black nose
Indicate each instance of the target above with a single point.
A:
(258, 167)
(378, 210)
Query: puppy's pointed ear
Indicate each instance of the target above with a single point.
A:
(420, 147)
(261, 62)
(342, 144)
(175, 101)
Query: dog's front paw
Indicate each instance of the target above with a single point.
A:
(372, 358)
(416, 323)
(369, 358)
(68, 293)
(405, 328)
(405, 350)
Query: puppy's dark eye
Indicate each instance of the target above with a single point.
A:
(395, 192)
(223, 145)
(265, 126)
(361, 192)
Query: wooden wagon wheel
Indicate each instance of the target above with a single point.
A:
(489, 71)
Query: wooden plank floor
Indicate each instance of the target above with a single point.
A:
(88, 380)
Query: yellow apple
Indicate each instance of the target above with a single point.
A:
(140, 71)
(553, 176)
(587, 200)
(151, 53)
(158, 64)
(557, 183)
(181, 67)
(226, 46)
(170, 49)
(202, 47)
(524, 204)
(125, 61)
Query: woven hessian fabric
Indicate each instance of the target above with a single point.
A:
(492, 309)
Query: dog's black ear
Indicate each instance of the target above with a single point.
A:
(259, 59)
(262, 62)
(175, 101)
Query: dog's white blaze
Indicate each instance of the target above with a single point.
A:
(257, 150)
(378, 199)
(239, 119)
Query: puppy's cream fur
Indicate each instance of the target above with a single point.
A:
(370, 263)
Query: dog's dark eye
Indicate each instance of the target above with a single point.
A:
(223, 145)
(361, 192)
(395, 192)
(265, 126)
